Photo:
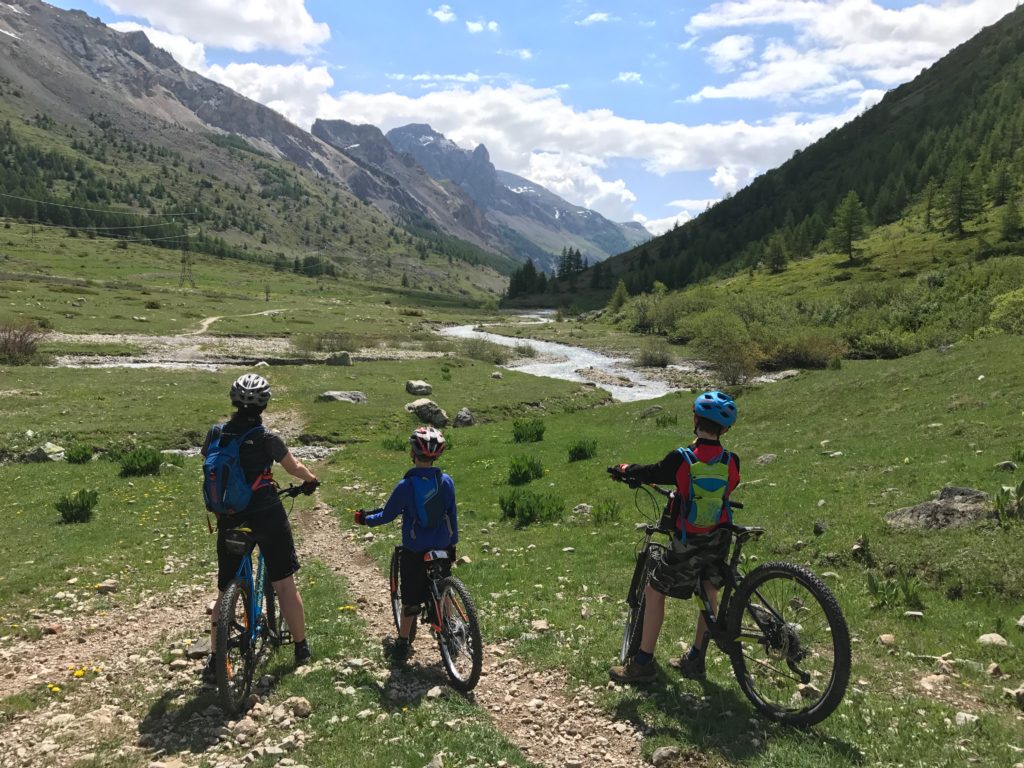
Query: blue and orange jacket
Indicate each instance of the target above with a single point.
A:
(674, 469)
(403, 502)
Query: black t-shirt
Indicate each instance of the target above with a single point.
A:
(258, 452)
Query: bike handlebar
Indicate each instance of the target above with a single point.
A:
(295, 490)
(664, 491)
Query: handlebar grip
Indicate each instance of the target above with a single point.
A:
(736, 504)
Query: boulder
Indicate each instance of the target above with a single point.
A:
(496, 375)
(766, 458)
(339, 358)
(418, 387)
(342, 397)
(464, 418)
(582, 509)
(992, 638)
(952, 508)
(664, 756)
(428, 412)
(46, 452)
(107, 586)
(1007, 466)
(650, 411)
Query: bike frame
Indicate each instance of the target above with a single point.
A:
(255, 584)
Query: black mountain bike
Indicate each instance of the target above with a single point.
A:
(247, 630)
(451, 616)
(780, 626)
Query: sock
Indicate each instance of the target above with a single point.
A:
(643, 658)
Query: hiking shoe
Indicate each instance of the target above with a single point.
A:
(691, 667)
(209, 673)
(631, 672)
(397, 649)
(302, 653)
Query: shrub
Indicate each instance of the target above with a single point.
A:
(653, 354)
(78, 507)
(805, 348)
(582, 450)
(528, 430)
(395, 443)
(19, 342)
(152, 304)
(721, 338)
(523, 469)
(486, 351)
(666, 420)
(1008, 312)
(141, 461)
(305, 343)
(605, 512)
(79, 453)
(525, 507)
(525, 350)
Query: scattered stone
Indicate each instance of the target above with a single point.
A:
(428, 412)
(994, 670)
(497, 375)
(1016, 695)
(540, 625)
(887, 640)
(830, 575)
(821, 502)
(1007, 466)
(568, 549)
(51, 629)
(342, 397)
(464, 560)
(914, 615)
(835, 454)
(179, 664)
(819, 527)
(650, 411)
(664, 755)
(339, 358)
(582, 509)
(46, 452)
(298, 706)
(766, 458)
(464, 418)
(107, 586)
(966, 718)
(364, 714)
(1020, 624)
(262, 364)
(435, 692)
(930, 682)
(200, 649)
(436, 762)
(952, 508)
(418, 387)
(992, 638)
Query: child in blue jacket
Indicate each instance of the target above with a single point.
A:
(425, 498)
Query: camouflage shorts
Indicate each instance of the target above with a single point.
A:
(678, 570)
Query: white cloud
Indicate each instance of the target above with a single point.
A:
(291, 89)
(688, 209)
(444, 14)
(841, 43)
(242, 25)
(629, 77)
(475, 27)
(520, 53)
(688, 44)
(534, 133)
(731, 50)
(596, 18)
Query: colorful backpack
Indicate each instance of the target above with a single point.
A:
(225, 489)
(708, 484)
(431, 511)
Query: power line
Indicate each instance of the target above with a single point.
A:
(100, 230)
(92, 210)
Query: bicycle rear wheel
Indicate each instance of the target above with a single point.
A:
(235, 651)
(792, 647)
(396, 593)
(462, 651)
(636, 603)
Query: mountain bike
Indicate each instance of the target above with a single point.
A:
(247, 630)
(450, 615)
(780, 626)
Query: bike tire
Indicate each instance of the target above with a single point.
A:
(396, 594)
(784, 615)
(636, 604)
(459, 640)
(235, 652)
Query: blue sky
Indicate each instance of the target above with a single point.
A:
(642, 110)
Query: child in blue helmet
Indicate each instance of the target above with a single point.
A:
(425, 498)
(704, 474)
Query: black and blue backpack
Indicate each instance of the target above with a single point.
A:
(431, 510)
(225, 489)
(709, 482)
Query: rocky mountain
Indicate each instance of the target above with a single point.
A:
(517, 207)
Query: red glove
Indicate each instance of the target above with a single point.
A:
(360, 517)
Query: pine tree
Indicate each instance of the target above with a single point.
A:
(1009, 227)
(847, 226)
(619, 297)
(775, 256)
(961, 200)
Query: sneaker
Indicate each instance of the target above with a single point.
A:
(398, 649)
(690, 665)
(209, 673)
(302, 653)
(631, 672)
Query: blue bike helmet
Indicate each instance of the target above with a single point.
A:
(717, 407)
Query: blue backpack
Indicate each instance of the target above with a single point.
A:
(225, 489)
(431, 510)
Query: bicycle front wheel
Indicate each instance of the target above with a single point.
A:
(235, 652)
(462, 651)
(636, 603)
(791, 654)
(396, 594)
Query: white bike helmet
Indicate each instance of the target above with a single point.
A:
(250, 389)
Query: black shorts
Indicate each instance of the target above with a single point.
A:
(413, 571)
(677, 572)
(272, 531)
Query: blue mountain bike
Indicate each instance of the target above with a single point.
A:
(248, 629)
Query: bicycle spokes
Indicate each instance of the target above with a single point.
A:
(459, 635)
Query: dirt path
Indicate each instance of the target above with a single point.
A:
(531, 708)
